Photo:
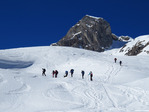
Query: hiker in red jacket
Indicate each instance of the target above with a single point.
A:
(56, 73)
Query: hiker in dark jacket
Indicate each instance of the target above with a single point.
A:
(115, 59)
(72, 71)
(66, 73)
(82, 72)
(53, 73)
(120, 63)
(43, 72)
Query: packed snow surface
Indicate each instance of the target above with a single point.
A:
(114, 88)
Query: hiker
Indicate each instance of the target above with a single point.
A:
(91, 75)
(53, 73)
(43, 72)
(82, 72)
(72, 71)
(115, 59)
(66, 73)
(56, 73)
(120, 63)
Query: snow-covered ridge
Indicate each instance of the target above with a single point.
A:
(142, 38)
(139, 45)
(94, 17)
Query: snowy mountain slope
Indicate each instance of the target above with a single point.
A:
(138, 46)
(114, 88)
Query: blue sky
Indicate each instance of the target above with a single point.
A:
(26, 23)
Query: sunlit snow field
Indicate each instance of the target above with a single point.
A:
(114, 88)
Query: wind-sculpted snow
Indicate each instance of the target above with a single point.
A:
(114, 88)
(8, 64)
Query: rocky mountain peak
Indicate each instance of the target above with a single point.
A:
(91, 33)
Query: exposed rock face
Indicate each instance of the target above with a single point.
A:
(89, 33)
(137, 46)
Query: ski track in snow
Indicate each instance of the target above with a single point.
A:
(95, 98)
(90, 98)
(112, 72)
(127, 92)
(136, 94)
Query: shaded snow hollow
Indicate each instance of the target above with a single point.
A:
(8, 64)
(114, 88)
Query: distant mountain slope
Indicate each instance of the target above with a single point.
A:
(139, 45)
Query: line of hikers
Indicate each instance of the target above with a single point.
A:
(55, 73)
(115, 59)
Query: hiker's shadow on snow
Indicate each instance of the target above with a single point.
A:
(8, 64)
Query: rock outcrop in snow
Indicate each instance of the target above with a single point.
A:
(138, 46)
(125, 38)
